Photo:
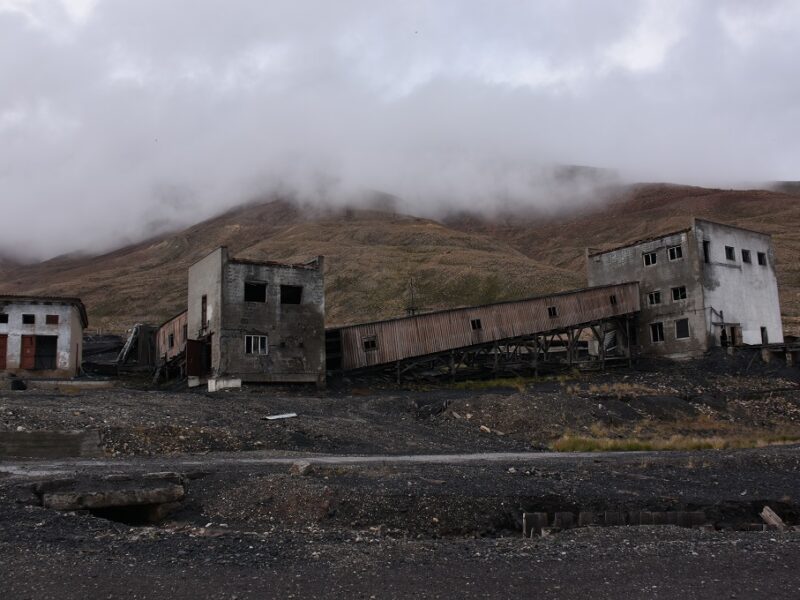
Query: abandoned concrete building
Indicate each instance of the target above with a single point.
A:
(41, 336)
(255, 321)
(704, 286)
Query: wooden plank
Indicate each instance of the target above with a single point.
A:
(772, 519)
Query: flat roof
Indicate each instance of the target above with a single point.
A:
(76, 302)
(591, 252)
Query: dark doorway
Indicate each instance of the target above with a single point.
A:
(45, 357)
(198, 357)
(3, 351)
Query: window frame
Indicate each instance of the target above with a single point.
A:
(613, 299)
(28, 319)
(730, 253)
(552, 311)
(369, 343)
(651, 256)
(688, 331)
(746, 256)
(654, 293)
(476, 324)
(659, 326)
(258, 342)
(51, 320)
(762, 258)
(260, 286)
(676, 291)
(3, 318)
(678, 252)
(286, 291)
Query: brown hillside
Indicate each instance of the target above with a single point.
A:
(647, 210)
(371, 255)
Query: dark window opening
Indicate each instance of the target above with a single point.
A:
(762, 259)
(730, 253)
(657, 332)
(28, 319)
(255, 291)
(649, 258)
(3, 318)
(370, 343)
(682, 329)
(613, 299)
(679, 293)
(291, 294)
(675, 252)
(255, 344)
(51, 319)
(203, 312)
(171, 340)
(185, 332)
(706, 251)
(654, 298)
(476, 324)
(745, 255)
(552, 311)
(764, 336)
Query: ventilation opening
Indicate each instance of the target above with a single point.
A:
(138, 515)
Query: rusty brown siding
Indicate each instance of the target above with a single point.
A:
(406, 337)
(174, 326)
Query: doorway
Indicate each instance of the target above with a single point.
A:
(3, 351)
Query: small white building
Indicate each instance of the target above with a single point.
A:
(41, 336)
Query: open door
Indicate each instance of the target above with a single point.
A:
(198, 357)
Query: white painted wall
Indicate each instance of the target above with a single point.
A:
(747, 293)
(69, 330)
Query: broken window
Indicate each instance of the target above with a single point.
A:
(28, 319)
(51, 319)
(706, 251)
(745, 255)
(370, 343)
(203, 312)
(682, 329)
(3, 318)
(291, 294)
(762, 259)
(255, 291)
(255, 344)
(657, 332)
(649, 258)
(679, 293)
(476, 324)
(171, 342)
(654, 298)
(552, 312)
(675, 252)
(613, 299)
(730, 253)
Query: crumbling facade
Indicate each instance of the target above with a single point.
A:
(256, 321)
(41, 336)
(708, 285)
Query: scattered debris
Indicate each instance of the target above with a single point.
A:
(290, 415)
(772, 519)
(301, 467)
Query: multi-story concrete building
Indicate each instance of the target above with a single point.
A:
(704, 286)
(256, 321)
(41, 336)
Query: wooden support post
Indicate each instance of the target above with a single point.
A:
(452, 366)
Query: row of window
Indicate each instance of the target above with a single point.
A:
(673, 253)
(681, 330)
(256, 291)
(678, 294)
(31, 319)
(730, 254)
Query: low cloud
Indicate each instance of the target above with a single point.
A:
(120, 117)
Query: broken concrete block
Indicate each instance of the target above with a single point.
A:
(223, 383)
(772, 519)
(300, 467)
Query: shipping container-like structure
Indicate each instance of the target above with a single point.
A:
(492, 327)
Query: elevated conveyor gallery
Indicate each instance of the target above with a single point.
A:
(522, 331)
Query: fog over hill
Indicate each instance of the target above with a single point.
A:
(121, 120)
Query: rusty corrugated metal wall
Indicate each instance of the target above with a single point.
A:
(406, 337)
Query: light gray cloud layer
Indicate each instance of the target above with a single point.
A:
(115, 114)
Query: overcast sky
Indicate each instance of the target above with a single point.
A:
(117, 114)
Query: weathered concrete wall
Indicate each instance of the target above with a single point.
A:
(747, 293)
(69, 330)
(205, 278)
(627, 264)
(295, 332)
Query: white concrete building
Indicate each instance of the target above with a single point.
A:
(41, 336)
(708, 285)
